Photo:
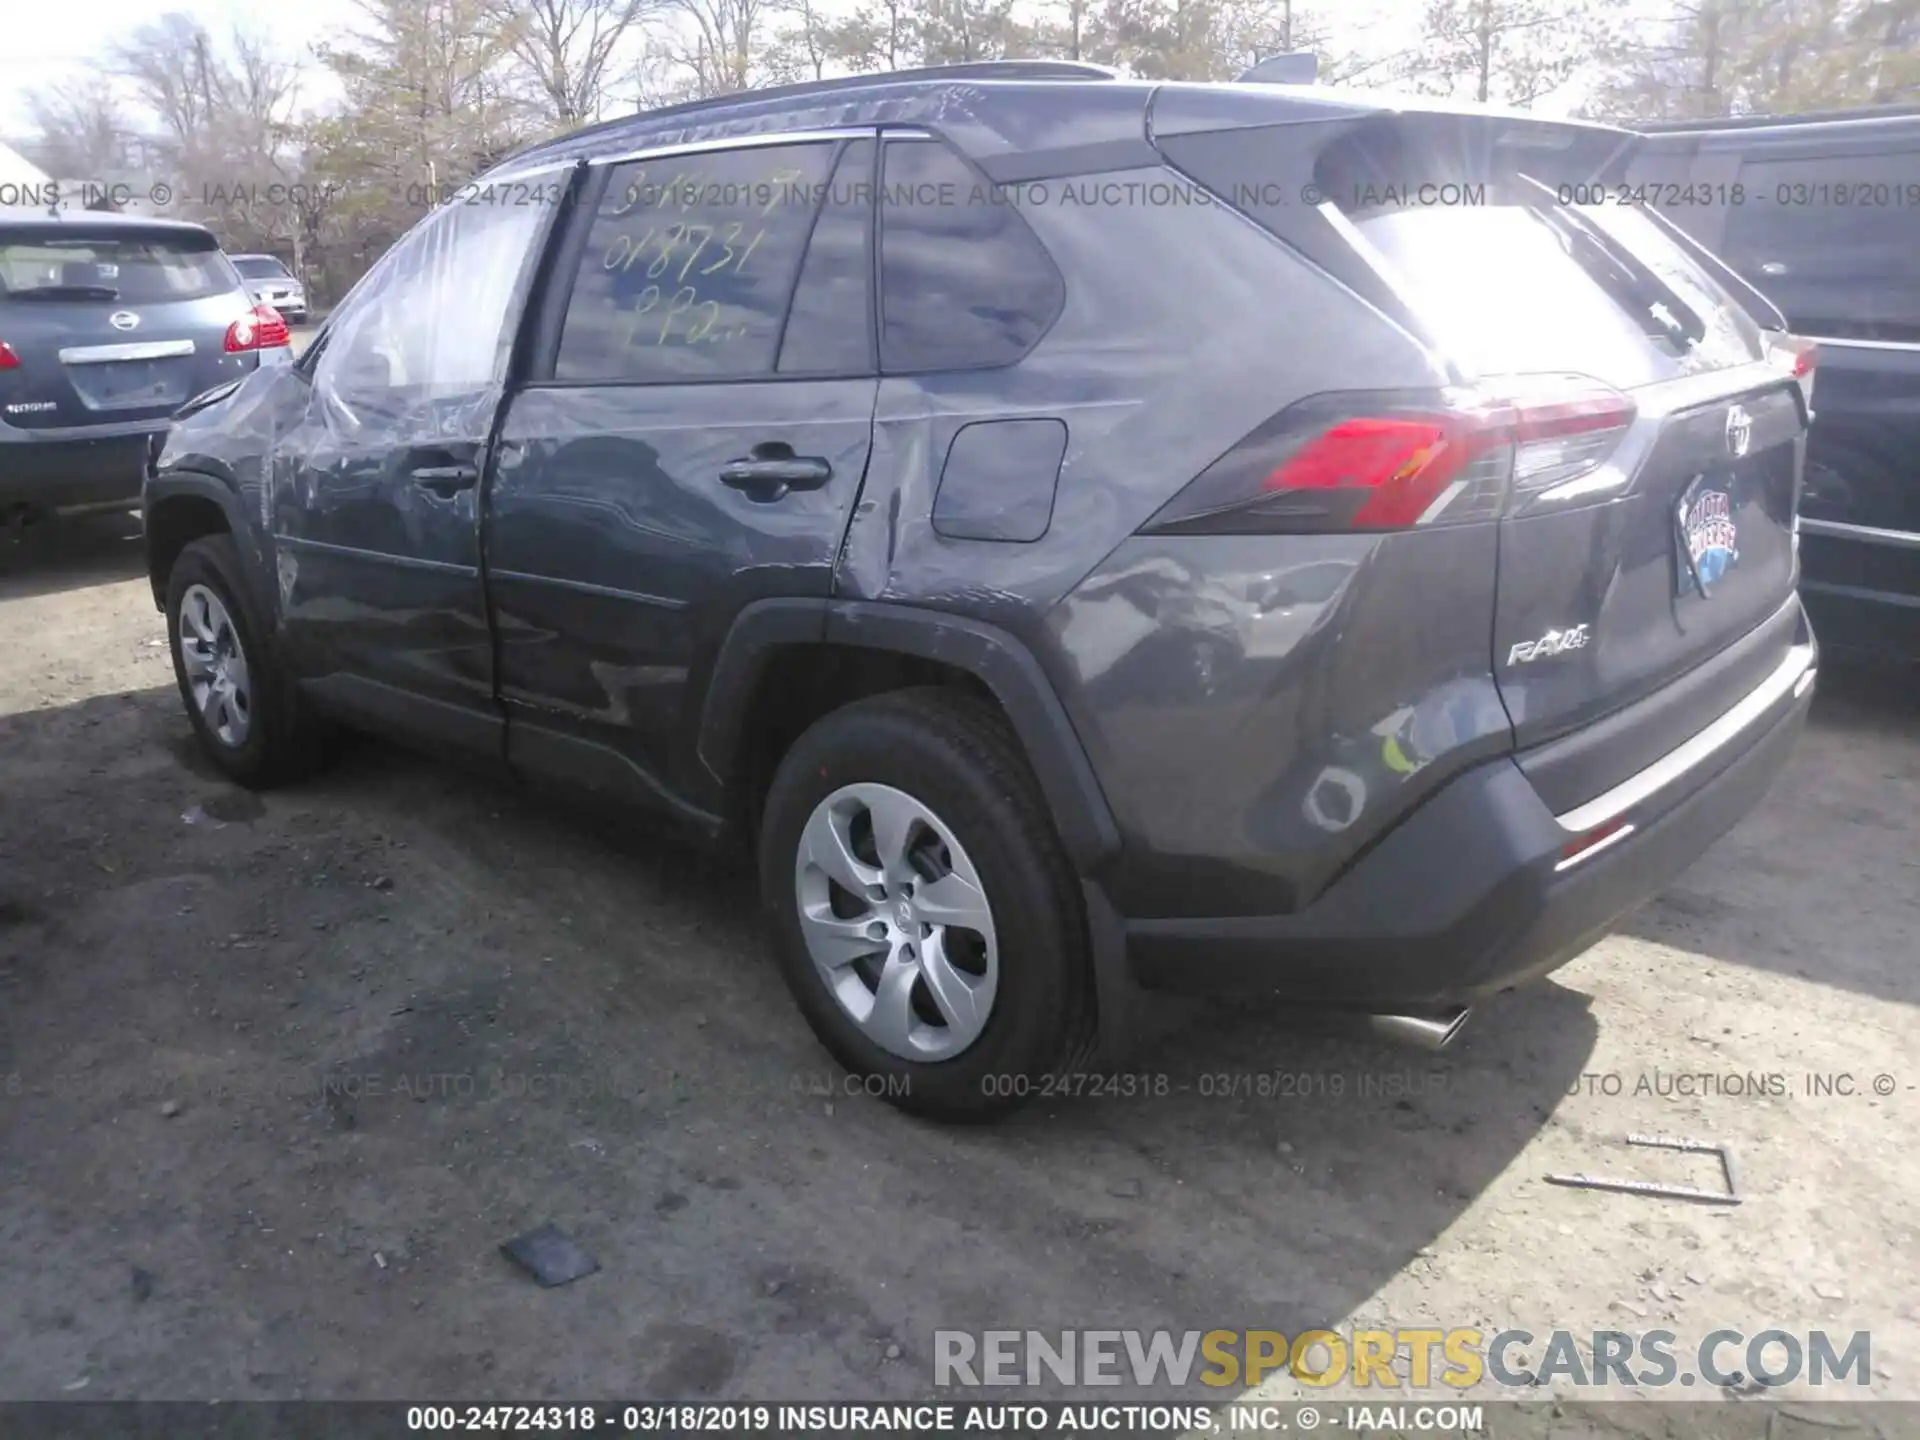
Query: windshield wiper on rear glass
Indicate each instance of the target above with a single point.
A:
(65, 292)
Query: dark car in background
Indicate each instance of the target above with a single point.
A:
(270, 282)
(1074, 566)
(1822, 214)
(108, 324)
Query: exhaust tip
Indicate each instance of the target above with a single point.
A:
(1425, 1032)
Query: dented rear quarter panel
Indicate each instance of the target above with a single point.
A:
(1215, 682)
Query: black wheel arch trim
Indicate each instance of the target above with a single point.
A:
(197, 484)
(1011, 672)
(1005, 665)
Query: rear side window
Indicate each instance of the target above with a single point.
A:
(123, 270)
(689, 265)
(1834, 241)
(964, 284)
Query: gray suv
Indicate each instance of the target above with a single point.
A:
(108, 324)
(1085, 536)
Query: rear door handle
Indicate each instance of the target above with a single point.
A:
(446, 479)
(773, 470)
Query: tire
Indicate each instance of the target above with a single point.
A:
(254, 725)
(992, 1009)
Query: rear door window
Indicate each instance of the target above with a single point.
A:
(122, 269)
(689, 266)
(964, 284)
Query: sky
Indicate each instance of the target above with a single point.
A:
(51, 41)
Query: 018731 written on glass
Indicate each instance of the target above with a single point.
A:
(688, 234)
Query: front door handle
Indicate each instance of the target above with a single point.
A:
(772, 470)
(446, 480)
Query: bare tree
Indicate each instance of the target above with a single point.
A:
(1507, 51)
(1732, 57)
(567, 47)
(83, 131)
(720, 50)
(805, 45)
(1888, 35)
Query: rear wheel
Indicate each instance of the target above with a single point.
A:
(250, 719)
(926, 918)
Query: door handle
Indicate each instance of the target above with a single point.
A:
(446, 480)
(772, 470)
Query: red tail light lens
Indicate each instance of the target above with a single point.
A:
(1397, 460)
(1407, 466)
(8, 360)
(260, 329)
(1799, 357)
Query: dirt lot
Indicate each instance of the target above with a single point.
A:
(277, 1076)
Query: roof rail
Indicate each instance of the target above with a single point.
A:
(1767, 122)
(970, 70)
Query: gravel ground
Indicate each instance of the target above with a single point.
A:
(278, 1074)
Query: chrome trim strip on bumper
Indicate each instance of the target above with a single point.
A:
(131, 350)
(1794, 674)
(1871, 534)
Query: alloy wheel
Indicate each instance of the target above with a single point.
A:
(215, 665)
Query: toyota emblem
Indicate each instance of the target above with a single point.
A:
(123, 320)
(1739, 431)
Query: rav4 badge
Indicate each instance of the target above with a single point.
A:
(1554, 642)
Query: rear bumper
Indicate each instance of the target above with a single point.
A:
(64, 473)
(1472, 895)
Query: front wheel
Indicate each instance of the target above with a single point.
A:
(251, 721)
(926, 918)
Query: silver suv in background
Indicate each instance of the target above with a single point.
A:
(270, 282)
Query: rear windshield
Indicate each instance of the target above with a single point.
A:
(1511, 280)
(257, 269)
(125, 270)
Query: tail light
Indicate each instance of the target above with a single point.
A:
(1799, 358)
(260, 329)
(8, 359)
(1393, 460)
